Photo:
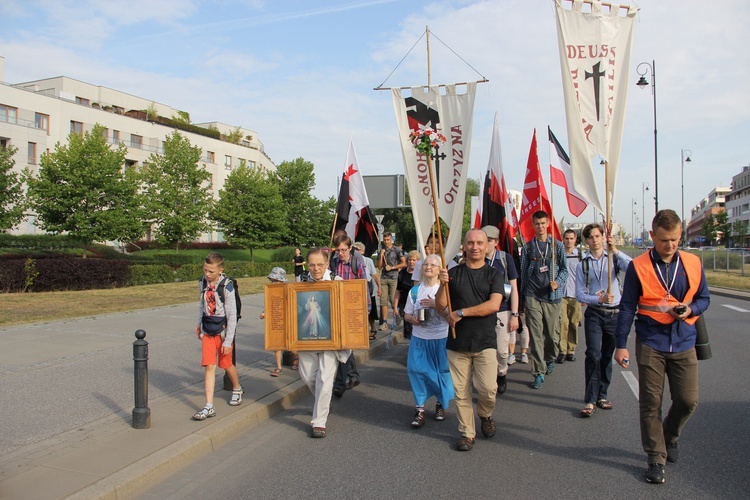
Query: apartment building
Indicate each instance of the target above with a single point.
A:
(738, 203)
(36, 115)
(711, 205)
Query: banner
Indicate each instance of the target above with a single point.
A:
(535, 197)
(594, 58)
(495, 207)
(560, 174)
(451, 115)
(353, 213)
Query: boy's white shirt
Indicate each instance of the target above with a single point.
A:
(226, 308)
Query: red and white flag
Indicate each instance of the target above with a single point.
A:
(535, 197)
(595, 60)
(495, 207)
(353, 210)
(450, 114)
(560, 174)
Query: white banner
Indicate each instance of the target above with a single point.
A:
(451, 115)
(594, 57)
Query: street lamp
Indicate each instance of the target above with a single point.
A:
(642, 83)
(684, 157)
(633, 203)
(644, 188)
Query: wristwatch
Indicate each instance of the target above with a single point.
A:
(515, 315)
(460, 313)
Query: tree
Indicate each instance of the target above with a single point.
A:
(708, 228)
(317, 231)
(739, 232)
(12, 202)
(178, 191)
(472, 189)
(250, 210)
(84, 189)
(723, 227)
(296, 180)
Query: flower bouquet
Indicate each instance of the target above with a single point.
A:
(425, 140)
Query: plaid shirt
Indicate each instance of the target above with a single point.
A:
(561, 273)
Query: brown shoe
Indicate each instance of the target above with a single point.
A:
(465, 443)
(418, 419)
(319, 432)
(488, 426)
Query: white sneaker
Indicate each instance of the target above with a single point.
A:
(398, 320)
(384, 327)
(524, 358)
(511, 359)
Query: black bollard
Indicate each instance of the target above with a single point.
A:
(702, 344)
(141, 412)
(228, 386)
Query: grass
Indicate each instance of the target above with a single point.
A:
(229, 254)
(19, 308)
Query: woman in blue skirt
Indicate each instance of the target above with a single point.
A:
(427, 364)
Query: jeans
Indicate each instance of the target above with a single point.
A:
(600, 347)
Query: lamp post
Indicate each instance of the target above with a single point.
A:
(684, 157)
(633, 203)
(644, 188)
(642, 83)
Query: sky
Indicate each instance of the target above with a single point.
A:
(301, 74)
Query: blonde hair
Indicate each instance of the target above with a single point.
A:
(434, 257)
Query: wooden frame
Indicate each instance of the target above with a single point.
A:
(316, 316)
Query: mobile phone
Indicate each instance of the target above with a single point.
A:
(680, 309)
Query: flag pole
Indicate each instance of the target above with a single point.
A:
(608, 224)
(439, 233)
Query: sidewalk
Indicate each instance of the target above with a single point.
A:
(106, 457)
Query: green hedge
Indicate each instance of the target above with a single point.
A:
(160, 273)
(38, 241)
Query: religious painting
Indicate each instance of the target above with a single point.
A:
(314, 315)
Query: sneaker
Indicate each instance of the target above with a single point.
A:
(418, 419)
(655, 474)
(465, 443)
(560, 359)
(673, 452)
(398, 320)
(351, 383)
(538, 382)
(525, 358)
(439, 412)
(550, 366)
(502, 384)
(570, 357)
(318, 432)
(488, 426)
(384, 327)
(511, 359)
(338, 393)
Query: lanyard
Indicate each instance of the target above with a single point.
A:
(665, 282)
(546, 248)
(601, 268)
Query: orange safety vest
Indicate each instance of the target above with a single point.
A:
(653, 289)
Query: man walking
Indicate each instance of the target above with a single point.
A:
(543, 266)
(391, 259)
(570, 313)
(668, 291)
(476, 293)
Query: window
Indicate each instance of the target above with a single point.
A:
(228, 162)
(136, 141)
(105, 133)
(32, 153)
(4, 142)
(82, 100)
(252, 164)
(41, 121)
(76, 127)
(8, 114)
(242, 162)
(130, 164)
(211, 156)
(115, 137)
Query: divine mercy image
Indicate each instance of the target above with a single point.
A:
(313, 315)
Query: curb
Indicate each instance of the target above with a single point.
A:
(133, 479)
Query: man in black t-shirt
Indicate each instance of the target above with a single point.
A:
(476, 293)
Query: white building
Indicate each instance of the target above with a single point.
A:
(738, 202)
(36, 115)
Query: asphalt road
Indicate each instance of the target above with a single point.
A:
(542, 448)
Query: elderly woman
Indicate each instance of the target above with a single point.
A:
(403, 286)
(427, 363)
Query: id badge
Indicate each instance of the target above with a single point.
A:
(664, 305)
(543, 269)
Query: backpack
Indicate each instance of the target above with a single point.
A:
(585, 264)
(504, 259)
(220, 291)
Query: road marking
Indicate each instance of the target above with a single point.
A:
(632, 382)
(735, 308)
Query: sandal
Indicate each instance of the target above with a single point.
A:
(295, 362)
(588, 410)
(276, 372)
(205, 413)
(236, 397)
(372, 334)
(604, 404)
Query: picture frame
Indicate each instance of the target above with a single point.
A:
(316, 316)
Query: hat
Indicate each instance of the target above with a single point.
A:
(492, 232)
(277, 274)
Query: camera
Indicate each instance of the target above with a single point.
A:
(680, 309)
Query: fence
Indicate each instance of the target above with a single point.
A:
(732, 260)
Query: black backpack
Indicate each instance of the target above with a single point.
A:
(220, 291)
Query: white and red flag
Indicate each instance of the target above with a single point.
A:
(495, 207)
(535, 197)
(560, 174)
(353, 213)
(442, 109)
(595, 59)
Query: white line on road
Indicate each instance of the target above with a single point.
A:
(632, 382)
(735, 308)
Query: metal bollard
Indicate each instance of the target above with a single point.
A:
(141, 412)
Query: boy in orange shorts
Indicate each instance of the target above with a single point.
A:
(216, 328)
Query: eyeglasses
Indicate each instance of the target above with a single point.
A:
(316, 265)
(427, 266)
(342, 250)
